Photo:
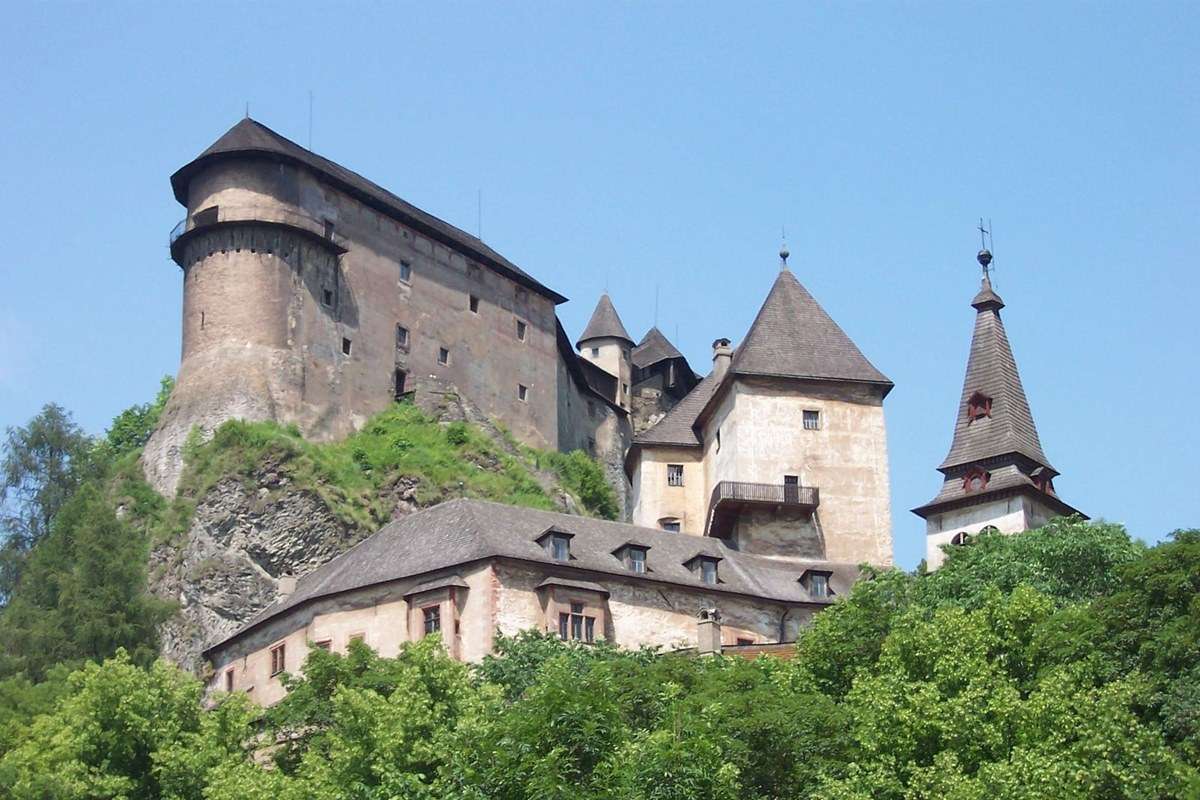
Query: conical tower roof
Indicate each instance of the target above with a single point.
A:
(992, 374)
(605, 323)
(653, 348)
(794, 337)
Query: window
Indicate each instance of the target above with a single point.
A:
(791, 488)
(669, 524)
(960, 538)
(521, 326)
(812, 420)
(207, 216)
(357, 637)
(229, 680)
(327, 297)
(718, 440)
(559, 547)
(329, 229)
(625, 389)
(443, 356)
(278, 658)
(674, 474)
(744, 642)
(708, 570)
(522, 392)
(976, 480)
(405, 272)
(399, 377)
(401, 337)
(473, 302)
(432, 619)
(595, 352)
(635, 559)
(989, 529)
(978, 406)
(346, 345)
(577, 626)
(324, 644)
(818, 585)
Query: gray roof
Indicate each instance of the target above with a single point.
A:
(678, 427)
(653, 348)
(605, 322)
(462, 531)
(794, 337)
(250, 137)
(992, 370)
(1003, 479)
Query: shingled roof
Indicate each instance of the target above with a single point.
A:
(794, 337)
(463, 531)
(678, 427)
(605, 322)
(251, 138)
(992, 371)
(653, 348)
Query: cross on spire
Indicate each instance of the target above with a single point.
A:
(985, 255)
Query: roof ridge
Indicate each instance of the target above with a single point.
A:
(605, 322)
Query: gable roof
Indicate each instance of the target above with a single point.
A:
(794, 337)
(462, 531)
(992, 370)
(251, 138)
(605, 322)
(653, 348)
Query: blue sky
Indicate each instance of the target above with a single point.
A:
(634, 145)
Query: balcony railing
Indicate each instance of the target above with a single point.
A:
(730, 497)
(178, 230)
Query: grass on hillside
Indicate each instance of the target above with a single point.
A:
(354, 477)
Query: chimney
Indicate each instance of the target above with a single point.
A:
(708, 632)
(287, 585)
(722, 355)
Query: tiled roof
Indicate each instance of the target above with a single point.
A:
(250, 137)
(678, 426)
(794, 337)
(1003, 479)
(653, 348)
(462, 531)
(605, 322)
(992, 370)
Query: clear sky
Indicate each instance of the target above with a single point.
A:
(633, 145)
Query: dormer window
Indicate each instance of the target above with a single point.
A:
(816, 583)
(633, 556)
(1043, 479)
(978, 406)
(705, 568)
(557, 544)
(976, 479)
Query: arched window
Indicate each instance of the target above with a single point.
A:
(989, 529)
(960, 538)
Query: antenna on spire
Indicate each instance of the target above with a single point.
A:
(656, 305)
(247, 109)
(479, 219)
(310, 116)
(984, 257)
(783, 248)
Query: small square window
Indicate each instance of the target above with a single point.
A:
(401, 337)
(473, 302)
(432, 619)
(443, 356)
(674, 474)
(405, 272)
(522, 392)
(669, 524)
(324, 644)
(278, 658)
(812, 420)
(521, 330)
(595, 352)
(346, 346)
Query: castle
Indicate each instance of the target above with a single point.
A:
(314, 297)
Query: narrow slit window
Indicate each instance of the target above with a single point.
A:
(473, 304)
(443, 356)
(522, 392)
(327, 297)
(401, 337)
(399, 378)
(405, 272)
(521, 328)
(229, 680)
(347, 345)
(278, 658)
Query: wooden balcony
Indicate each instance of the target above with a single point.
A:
(730, 498)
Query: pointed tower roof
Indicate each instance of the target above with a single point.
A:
(992, 375)
(250, 138)
(605, 323)
(653, 348)
(794, 337)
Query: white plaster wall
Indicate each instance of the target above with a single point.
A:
(1008, 515)
(613, 358)
(654, 499)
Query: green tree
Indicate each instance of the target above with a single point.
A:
(131, 429)
(43, 463)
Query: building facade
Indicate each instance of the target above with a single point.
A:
(996, 476)
(467, 569)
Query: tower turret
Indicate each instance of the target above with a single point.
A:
(607, 344)
(996, 475)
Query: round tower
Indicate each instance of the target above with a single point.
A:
(606, 343)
